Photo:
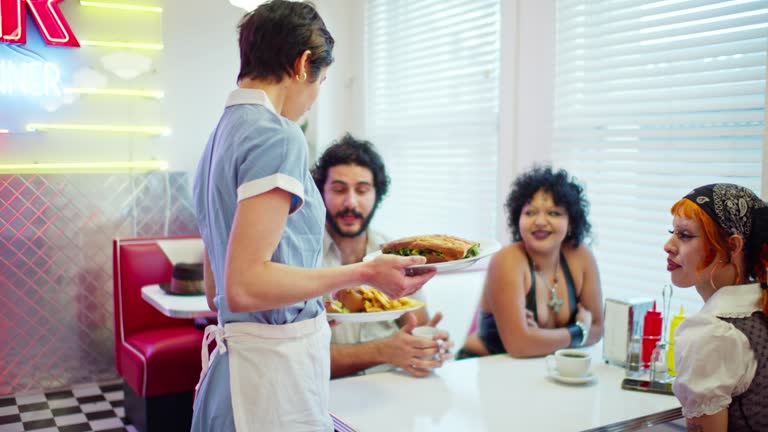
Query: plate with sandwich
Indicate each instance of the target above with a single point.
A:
(443, 252)
(367, 304)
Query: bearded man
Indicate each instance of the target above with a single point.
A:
(353, 181)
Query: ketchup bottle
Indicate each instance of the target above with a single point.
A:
(651, 334)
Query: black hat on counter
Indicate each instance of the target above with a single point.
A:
(186, 279)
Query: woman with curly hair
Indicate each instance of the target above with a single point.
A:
(542, 292)
(719, 244)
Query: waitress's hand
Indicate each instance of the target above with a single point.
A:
(391, 275)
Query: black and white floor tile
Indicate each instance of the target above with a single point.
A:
(83, 408)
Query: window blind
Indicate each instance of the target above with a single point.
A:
(652, 99)
(432, 111)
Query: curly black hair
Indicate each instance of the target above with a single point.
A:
(566, 193)
(349, 150)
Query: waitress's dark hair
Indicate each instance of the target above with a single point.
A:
(274, 35)
(566, 193)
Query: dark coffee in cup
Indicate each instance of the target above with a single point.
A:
(574, 355)
(570, 362)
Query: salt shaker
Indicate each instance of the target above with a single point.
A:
(633, 364)
(658, 365)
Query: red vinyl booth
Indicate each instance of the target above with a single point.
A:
(157, 356)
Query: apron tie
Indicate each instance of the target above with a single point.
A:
(212, 332)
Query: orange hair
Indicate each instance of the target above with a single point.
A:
(716, 241)
(715, 238)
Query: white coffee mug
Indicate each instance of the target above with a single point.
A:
(427, 332)
(571, 363)
(424, 331)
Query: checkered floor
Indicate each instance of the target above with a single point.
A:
(88, 407)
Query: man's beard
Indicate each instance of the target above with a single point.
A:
(331, 220)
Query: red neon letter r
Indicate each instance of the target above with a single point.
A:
(50, 21)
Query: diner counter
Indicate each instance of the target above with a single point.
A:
(497, 393)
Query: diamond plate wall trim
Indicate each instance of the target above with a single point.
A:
(56, 234)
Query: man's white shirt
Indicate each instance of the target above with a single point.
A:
(353, 333)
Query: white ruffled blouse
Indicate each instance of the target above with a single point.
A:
(713, 359)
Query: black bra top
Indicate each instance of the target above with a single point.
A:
(487, 330)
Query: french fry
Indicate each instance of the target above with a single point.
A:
(376, 301)
(382, 298)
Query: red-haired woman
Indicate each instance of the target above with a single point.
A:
(720, 245)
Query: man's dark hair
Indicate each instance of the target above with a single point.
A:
(349, 150)
(274, 35)
(566, 193)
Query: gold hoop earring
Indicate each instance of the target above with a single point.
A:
(738, 274)
(738, 271)
(712, 274)
(717, 264)
(301, 77)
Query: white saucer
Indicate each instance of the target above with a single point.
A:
(572, 380)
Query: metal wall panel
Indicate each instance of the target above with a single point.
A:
(56, 231)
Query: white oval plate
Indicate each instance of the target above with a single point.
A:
(572, 380)
(487, 248)
(370, 316)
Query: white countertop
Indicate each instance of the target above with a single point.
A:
(177, 306)
(496, 393)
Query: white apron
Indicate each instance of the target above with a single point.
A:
(279, 374)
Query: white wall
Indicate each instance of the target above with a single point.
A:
(340, 107)
(525, 113)
(200, 66)
(456, 295)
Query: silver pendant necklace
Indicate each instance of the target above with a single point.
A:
(555, 301)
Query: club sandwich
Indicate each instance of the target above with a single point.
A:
(435, 247)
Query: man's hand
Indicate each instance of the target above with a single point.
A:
(413, 354)
(442, 336)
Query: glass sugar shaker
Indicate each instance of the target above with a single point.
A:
(658, 366)
(634, 364)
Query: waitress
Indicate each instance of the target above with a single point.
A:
(261, 218)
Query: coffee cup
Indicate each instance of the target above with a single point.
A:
(570, 363)
(424, 331)
(427, 332)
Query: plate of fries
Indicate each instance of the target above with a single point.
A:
(376, 306)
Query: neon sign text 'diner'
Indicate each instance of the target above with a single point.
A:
(46, 14)
(29, 79)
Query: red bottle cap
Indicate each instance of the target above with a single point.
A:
(652, 322)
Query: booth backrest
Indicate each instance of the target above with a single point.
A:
(138, 262)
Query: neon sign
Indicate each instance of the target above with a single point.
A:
(29, 78)
(47, 16)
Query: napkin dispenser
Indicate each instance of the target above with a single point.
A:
(622, 320)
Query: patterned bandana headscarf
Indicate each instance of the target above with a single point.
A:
(739, 211)
(730, 206)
